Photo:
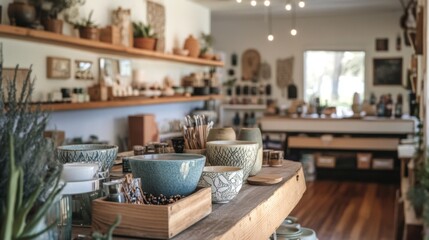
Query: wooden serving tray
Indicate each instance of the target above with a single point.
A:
(152, 221)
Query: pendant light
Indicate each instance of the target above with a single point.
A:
(293, 30)
(270, 25)
(253, 3)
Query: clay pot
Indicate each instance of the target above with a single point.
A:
(89, 33)
(221, 134)
(54, 25)
(145, 43)
(21, 14)
(253, 135)
(193, 46)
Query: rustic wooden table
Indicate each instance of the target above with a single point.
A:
(256, 212)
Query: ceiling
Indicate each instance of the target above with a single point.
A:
(312, 7)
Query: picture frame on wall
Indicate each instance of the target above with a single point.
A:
(382, 44)
(387, 71)
(58, 68)
(83, 70)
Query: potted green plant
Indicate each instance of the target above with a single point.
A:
(206, 51)
(87, 28)
(54, 7)
(144, 36)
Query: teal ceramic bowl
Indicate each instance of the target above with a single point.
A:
(168, 174)
(103, 154)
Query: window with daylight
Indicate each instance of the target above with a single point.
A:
(334, 76)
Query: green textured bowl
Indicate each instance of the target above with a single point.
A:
(168, 174)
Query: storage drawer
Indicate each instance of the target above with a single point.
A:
(326, 161)
(364, 160)
(383, 163)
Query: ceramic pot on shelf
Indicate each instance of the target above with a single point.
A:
(193, 46)
(89, 33)
(221, 134)
(253, 135)
(54, 25)
(21, 14)
(145, 43)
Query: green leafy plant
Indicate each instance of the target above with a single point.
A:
(29, 171)
(85, 22)
(206, 43)
(141, 30)
(55, 7)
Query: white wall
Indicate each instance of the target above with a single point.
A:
(183, 17)
(351, 32)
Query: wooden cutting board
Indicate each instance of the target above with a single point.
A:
(264, 180)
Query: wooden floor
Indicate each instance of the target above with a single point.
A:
(348, 210)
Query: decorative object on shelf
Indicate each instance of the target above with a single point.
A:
(156, 17)
(265, 71)
(22, 14)
(276, 159)
(52, 8)
(87, 28)
(253, 135)
(83, 70)
(100, 92)
(382, 44)
(387, 71)
(178, 144)
(225, 182)
(250, 65)
(58, 68)
(193, 46)
(234, 59)
(221, 134)
(356, 106)
(142, 130)
(284, 77)
(160, 172)
(233, 153)
(144, 36)
(180, 52)
(121, 18)
(110, 34)
(236, 121)
(206, 50)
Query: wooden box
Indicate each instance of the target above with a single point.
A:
(383, 163)
(364, 160)
(152, 221)
(142, 130)
(110, 34)
(326, 161)
(100, 92)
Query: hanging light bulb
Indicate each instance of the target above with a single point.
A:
(293, 32)
(267, 3)
(270, 37)
(238, 1)
(301, 4)
(253, 3)
(288, 7)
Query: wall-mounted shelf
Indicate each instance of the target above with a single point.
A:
(124, 103)
(96, 46)
(250, 107)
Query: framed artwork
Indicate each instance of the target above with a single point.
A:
(58, 68)
(8, 75)
(387, 71)
(83, 70)
(382, 44)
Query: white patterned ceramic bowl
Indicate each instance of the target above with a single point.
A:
(224, 181)
(102, 154)
(240, 154)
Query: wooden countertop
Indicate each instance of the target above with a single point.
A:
(255, 213)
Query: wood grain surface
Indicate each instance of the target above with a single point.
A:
(348, 210)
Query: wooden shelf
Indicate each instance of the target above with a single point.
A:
(124, 103)
(254, 107)
(69, 41)
(372, 144)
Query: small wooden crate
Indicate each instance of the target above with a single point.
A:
(110, 34)
(326, 161)
(364, 160)
(152, 221)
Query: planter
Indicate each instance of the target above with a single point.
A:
(54, 25)
(145, 43)
(21, 14)
(89, 33)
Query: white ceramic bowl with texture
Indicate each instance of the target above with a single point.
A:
(225, 182)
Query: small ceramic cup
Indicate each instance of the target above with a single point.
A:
(178, 144)
(221, 134)
(266, 158)
(276, 158)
